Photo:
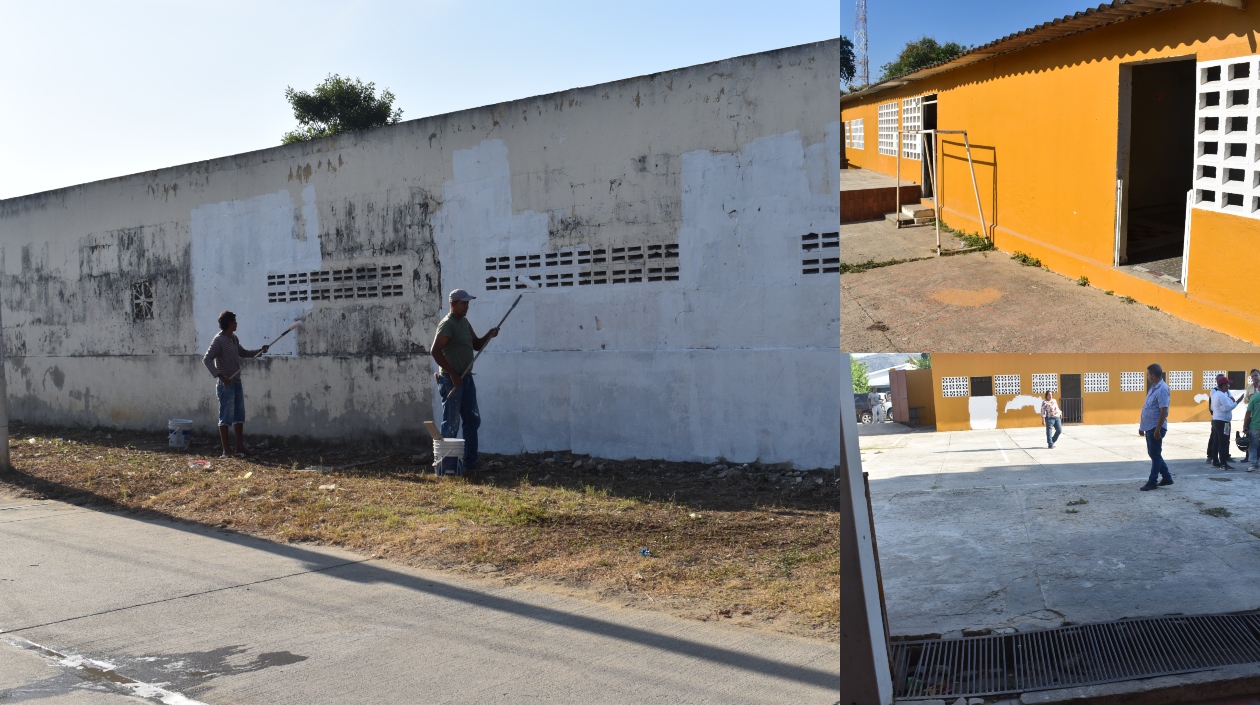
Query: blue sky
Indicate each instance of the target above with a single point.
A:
(92, 90)
(892, 23)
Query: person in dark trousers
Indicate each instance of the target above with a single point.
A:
(453, 349)
(1222, 406)
(1251, 424)
(223, 359)
(1154, 426)
(1052, 416)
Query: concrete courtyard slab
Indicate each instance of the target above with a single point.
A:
(164, 607)
(991, 529)
(880, 241)
(986, 302)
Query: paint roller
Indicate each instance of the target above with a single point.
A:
(292, 327)
(522, 280)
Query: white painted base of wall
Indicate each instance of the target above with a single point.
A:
(680, 405)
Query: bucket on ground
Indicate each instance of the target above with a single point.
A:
(177, 432)
(448, 456)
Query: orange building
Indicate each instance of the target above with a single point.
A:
(990, 390)
(1121, 143)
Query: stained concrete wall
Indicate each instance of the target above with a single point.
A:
(722, 170)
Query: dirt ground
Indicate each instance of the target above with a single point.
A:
(880, 241)
(986, 302)
(751, 544)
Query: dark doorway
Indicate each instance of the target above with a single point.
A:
(1070, 398)
(1160, 165)
(929, 146)
(981, 386)
(1237, 380)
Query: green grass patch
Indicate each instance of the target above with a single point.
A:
(1220, 512)
(1082, 280)
(846, 268)
(1026, 259)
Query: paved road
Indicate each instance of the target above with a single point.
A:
(97, 607)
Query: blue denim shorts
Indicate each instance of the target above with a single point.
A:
(231, 403)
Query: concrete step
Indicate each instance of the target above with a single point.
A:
(918, 210)
(907, 220)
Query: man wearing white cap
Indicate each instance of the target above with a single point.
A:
(453, 349)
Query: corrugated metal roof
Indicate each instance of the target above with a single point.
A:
(1093, 18)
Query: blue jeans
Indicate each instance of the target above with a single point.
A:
(461, 409)
(1253, 446)
(231, 402)
(1056, 423)
(1155, 449)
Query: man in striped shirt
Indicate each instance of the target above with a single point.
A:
(223, 359)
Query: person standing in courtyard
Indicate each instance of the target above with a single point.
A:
(877, 406)
(454, 347)
(1222, 406)
(1251, 423)
(223, 359)
(1052, 416)
(1154, 426)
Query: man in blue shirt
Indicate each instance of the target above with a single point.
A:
(1154, 425)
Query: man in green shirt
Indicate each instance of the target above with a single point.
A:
(1251, 422)
(453, 350)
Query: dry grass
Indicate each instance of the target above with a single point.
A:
(762, 549)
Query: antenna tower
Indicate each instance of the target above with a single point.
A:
(863, 77)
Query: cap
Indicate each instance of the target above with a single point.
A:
(461, 295)
(1222, 379)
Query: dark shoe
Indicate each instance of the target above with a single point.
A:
(1216, 465)
(1165, 482)
(1227, 466)
(1149, 486)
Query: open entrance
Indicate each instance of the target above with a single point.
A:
(929, 145)
(1070, 397)
(1157, 165)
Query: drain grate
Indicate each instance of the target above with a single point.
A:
(1082, 654)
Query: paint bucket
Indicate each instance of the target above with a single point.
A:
(177, 432)
(448, 456)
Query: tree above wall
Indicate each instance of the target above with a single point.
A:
(861, 383)
(847, 66)
(339, 105)
(921, 53)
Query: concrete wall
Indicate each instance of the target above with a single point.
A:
(1114, 406)
(715, 173)
(1044, 129)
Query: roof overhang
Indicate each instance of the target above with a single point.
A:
(1093, 18)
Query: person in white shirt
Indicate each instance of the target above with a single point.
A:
(1052, 416)
(877, 406)
(1222, 406)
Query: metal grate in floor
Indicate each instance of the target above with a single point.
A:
(1082, 654)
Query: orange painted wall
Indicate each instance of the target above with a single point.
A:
(869, 157)
(1111, 407)
(1043, 126)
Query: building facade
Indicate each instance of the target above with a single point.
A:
(681, 228)
(1118, 144)
(977, 391)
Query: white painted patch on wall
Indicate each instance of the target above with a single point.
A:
(737, 359)
(1200, 398)
(983, 412)
(1022, 401)
(234, 245)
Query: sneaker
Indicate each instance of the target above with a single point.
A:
(1165, 482)
(1051, 445)
(1148, 486)
(1252, 468)
(1216, 465)
(225, 456)
(1227, 466)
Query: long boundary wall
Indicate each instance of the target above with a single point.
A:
(669, 219)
